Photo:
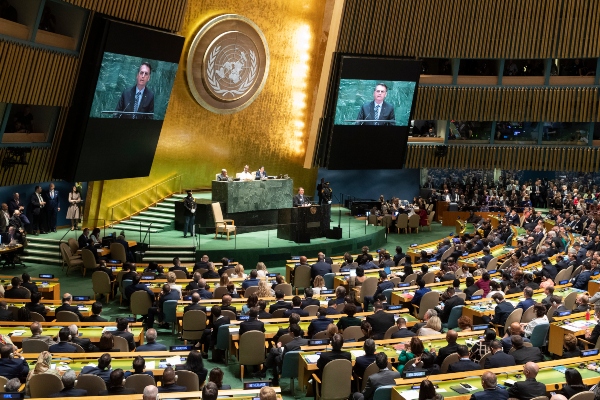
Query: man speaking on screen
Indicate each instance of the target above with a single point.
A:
(377, 112)
(139, 98)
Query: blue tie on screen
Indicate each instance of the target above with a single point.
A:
(138, 95)
(377, 111)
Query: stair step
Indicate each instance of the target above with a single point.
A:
(53, 253)
(167, 259)
(40, 259)
(135, 228)
(45, 246)
(162, 210)
(144, 224)
(165, 204)
(150, 219)
(33, 238)
(158, 214)
(168, 248)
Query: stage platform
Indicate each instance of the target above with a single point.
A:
(248, 248)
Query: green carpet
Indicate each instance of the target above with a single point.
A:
(78, 285)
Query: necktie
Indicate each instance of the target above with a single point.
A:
(377, 107)
(138, 95)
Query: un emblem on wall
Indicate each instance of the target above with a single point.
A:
(227, 64)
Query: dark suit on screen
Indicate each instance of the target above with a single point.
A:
(386, 114)
(127, 104)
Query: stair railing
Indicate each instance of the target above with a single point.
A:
(147, 235)
(147, 198)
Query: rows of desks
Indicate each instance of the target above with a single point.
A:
(49, 288)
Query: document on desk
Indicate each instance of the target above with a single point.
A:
(357, 353)
(312, 358)
(109, 329)
(150, 365)
(410, 394)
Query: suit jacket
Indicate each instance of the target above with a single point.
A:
(171, 388)
(449, 305)
(16, 293)
(486, 259)
(67, 307)
(82, 241)
(215, 328)
(445, 352)
(293, 310)
(320, 268)
(95, 318)
(386, 114)
(35, 204)
(264, 315)
(498, 360)
(251, 325)
(402, 333)
(526, 354)
(299, 200)
(191, 307)
(380, 322)
(52, 203)
(382, 378)
(319, 324)
(127, 336)
(152, 347)
(32, 287)
(117, 391)
(463, 365)
(501, 313)
(527, 389)
(62, 347)
(328, 356)
(361, 363)
(279, 304)
(86, 344)
(6, 315)
(16, 368)
(72, 392)
(310, 302)
(525, 304)
(37, 307)
(127, 103)
(491, 394)
(383, 286)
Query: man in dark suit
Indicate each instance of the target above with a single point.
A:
(15, 204)
(137, 99)
(124, 332)
(38, 213)
(32, 287)
(382, 378)
(66, 306)
(252, 324)
(491, 391)
(530, 388)
(524, 354)
(453, 301)
(16, 367)
(362, 362)
(471, 287)
(68, 380)
(209, 336)
(399, 255)
(5, 313)
(165, 294)
(63, 345)
(501, 311)
(86, 344)
(443, 246)
(96, 310)
(486, 256)
(128, 254)
(380, 321)
(204, 294)
(203, 263)
(252, 280)
(499, 358)
(464, 363)
(320, 267)
(136, 286)
(527, 301)
(451, 348)
(169, 382)
(293, 345)
(151, 344)
(296, 308)
(378, 111)
(581, 280)
(336, 353)
(279, 295)
(383, 284)
(195, 304)
(52, 206)
(320, 323)
(402, 331)
(308, 300)
(84, 238)
(299, 199)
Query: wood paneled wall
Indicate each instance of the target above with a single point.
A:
(36, 76)
(576, 104)
(472, 28)
(536, 158)
(32, 75)
(165, 14)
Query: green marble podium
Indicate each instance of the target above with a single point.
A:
(244, 196)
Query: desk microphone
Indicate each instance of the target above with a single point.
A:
(121, 113)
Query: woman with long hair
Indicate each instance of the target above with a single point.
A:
(367, 331)
(250, 303)
(216, 376)
(318, 285)
(414, 349)
(42, 366)
(261, 269)
(194, 364)
(574, 383)
(238, 272)
(264, 290)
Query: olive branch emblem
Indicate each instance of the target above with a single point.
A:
(214, 83)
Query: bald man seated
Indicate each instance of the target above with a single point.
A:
(491, 391)
(530, 387)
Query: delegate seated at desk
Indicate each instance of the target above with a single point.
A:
(223, 177)
(246, 175)
(299, 199)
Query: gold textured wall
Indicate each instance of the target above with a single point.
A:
(272, 131)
